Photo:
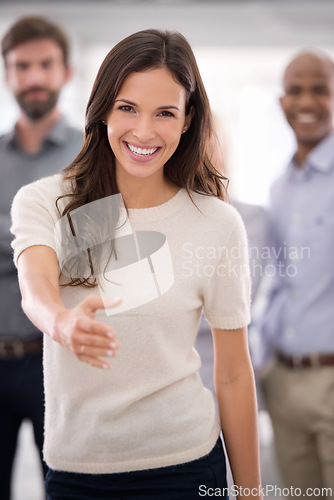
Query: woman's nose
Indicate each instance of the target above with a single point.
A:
(144, 129)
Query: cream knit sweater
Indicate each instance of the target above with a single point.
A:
(150, 409)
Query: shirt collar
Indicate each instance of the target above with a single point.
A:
(321, 158)
(57, 135)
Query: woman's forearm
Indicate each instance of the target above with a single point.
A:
(75, 328)
(41, 302)
(38, 275)
(238, 415)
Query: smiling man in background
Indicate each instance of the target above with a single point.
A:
(298, 324)
(36, 54)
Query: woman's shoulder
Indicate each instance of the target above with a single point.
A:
(217, 210)
(46, 187)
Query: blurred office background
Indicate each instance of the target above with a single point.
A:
(241, 47)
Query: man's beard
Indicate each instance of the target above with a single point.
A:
(37, 108)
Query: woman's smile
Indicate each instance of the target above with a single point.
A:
(141, 153)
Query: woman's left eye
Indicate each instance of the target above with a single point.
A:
(166, 113)
(125, 108)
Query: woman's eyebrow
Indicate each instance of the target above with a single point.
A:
(168, 107)
(126, 101)
(131, 103)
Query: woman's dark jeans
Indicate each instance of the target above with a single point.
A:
(186, 481)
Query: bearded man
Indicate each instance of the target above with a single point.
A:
(36, 58)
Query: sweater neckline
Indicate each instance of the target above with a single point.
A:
(171, 206)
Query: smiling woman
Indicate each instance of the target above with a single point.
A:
(142, 187)
(144, 130)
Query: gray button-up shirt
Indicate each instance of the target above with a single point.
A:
(18, 168)
(300, 316)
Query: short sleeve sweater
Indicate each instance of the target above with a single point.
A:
(150, 409)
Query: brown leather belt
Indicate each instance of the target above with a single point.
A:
(17, 349)
(313, 360)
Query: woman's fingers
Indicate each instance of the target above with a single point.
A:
(90, 348)
(87, 338)
(95, 345)
(94, 339)
(96, 362)
(91, 354)
(86, 324)
(93, 303)
(96, 352)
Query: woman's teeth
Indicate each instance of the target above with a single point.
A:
(141, 152)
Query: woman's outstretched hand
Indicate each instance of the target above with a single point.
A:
(78, 331)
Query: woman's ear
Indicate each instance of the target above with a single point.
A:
(188, 118)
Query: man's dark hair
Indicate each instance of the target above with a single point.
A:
(27, 29)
